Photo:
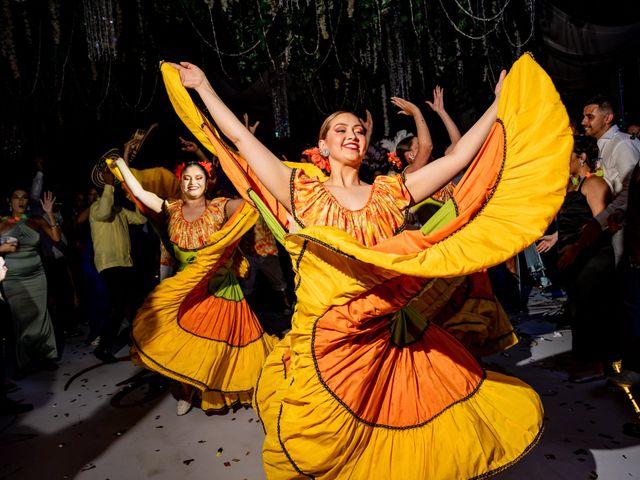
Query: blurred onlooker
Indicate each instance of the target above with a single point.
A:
(633, 129)
(588, 273)
(26, 285)
(61, 291)
(259, 246)
(112, 255)
(619, 154)
(629, 282)
(91, 289)
(7, 406)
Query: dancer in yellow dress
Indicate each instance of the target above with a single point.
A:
(196, 327)
(466, 307)
(363, 387)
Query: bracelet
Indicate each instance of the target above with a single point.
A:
(55, 225)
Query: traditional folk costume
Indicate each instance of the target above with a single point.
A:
(364, 386)
(196, 327)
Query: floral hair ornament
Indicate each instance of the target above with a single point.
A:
(394, 160)
(391, 145)
(317, 159)
(205, 165)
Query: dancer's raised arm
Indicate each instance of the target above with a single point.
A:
(438, 106)
(425, 144)
(430, 178)
(267, 167)
(149, 199)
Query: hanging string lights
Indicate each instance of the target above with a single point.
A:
(100, 29)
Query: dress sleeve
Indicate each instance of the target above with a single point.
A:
(395, 188)
(217, 208)
(305, 192)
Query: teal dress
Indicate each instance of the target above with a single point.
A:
(25, 287)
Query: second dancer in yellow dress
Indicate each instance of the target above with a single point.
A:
(196, 327)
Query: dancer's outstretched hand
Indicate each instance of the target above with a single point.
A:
(438, 100)
(191, 75)
(251, 128)
(405, 106)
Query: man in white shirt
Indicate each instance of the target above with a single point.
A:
(619, 154)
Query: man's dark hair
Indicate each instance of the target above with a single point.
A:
(604, 103)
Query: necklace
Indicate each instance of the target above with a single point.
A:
(16, 218)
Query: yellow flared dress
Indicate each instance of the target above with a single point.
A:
(365, 386)
(196, 327)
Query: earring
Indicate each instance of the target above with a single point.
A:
(412, 156)
(324, 152)
(581, 163)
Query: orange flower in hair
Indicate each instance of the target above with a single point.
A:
(394, 160)
(318, 160)
(205, 165)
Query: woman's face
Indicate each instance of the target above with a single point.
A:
(193, 182)
(19, 202)
(92, 195)
(345, 139)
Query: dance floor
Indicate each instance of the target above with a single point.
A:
(95, 422)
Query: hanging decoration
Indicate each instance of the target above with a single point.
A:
(323, 55)
(100, 29)
(279, 100)
(7, 39)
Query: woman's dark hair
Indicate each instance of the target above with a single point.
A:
(197, 164)
(403, 147)
(587, 145)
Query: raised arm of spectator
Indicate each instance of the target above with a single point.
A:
(192, 147)
(51, 228)
(36, 187)
(438, 106)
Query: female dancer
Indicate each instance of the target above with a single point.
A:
(26, 284)
(469, 309)
(196, 327)
(363, 387)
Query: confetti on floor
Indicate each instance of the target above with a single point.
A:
(588, 427)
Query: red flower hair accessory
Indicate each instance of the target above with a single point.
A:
(394, 160)
(205, 165)
(317, 159)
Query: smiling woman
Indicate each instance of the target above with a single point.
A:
(26, 284)
(197, 327)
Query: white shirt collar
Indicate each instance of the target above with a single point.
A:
(608, 135)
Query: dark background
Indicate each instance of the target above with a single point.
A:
(79, 76)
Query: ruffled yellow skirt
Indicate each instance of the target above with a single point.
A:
(197, 328)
